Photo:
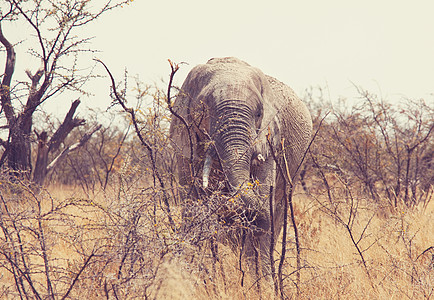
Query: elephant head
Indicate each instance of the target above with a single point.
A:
(235, 114)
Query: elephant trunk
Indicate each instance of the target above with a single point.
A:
(233, 140)
(234, 137)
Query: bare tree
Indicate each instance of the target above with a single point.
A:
(54, 40)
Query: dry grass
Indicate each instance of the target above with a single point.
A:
(146, 259)
(392, 245)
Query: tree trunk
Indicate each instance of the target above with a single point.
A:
(41, 159)
(19, 151)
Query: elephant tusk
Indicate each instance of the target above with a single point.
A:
(258, 160)
(206, 170)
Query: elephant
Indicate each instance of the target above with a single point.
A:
(231, 119)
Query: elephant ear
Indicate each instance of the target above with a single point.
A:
(270, 123)
(186, 107)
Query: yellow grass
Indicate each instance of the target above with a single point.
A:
(391, 245)
(395, 246)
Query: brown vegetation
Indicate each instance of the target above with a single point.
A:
(364, 219)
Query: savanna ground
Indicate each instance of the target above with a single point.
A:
(109, 226)
(118, 244)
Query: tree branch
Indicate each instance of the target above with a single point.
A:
(78, 275)
(287, 195)
(11, 9)
(5, 87)
(71, 148)
(175, 67)
(38, 32)
(410, 149)
(69, 123)
(148, 147)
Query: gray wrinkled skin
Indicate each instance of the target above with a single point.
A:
(231, 107)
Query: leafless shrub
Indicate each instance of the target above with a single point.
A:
(384, 149)
(361, 172)
(94, 165)
(34, 226)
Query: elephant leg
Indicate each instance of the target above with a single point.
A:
(252, 252)
(257, 238)
(183, 179)
(257, 251)
(267, 179)
(279, 202)
(187, 184)
(186, 191)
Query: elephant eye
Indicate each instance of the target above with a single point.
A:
(258, 114)
(258, 119)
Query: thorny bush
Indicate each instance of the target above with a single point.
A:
(386, 150)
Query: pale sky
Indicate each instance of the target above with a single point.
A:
(386, 47)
